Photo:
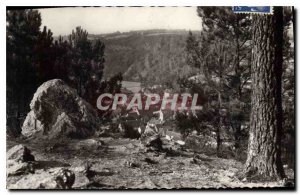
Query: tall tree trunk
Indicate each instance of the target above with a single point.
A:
(264, 150)
(220, 125)
(238, 126)
(219, 141)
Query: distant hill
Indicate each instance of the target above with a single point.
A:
(149, 56)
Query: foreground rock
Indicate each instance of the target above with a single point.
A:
(55, 178)
(151, 138)
(56, 111)
(19, 161)
(19, 153)
(20, 168)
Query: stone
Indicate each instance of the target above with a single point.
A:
(154, 142)
(65, 179)
(57, 111)
(130, 130)
(88, 144)
(19, 153)
(19, 161)
(14, 168)
(55, 178)
(151, 138)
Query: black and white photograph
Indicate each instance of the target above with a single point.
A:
(150, 98)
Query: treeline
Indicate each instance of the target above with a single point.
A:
(222, 56)
(33, 57)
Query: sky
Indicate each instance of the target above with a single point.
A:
(101, 20)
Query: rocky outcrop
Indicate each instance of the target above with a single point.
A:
(57, 111)
(19, 153)
(18, 161)
(55, 178)
(14, 168)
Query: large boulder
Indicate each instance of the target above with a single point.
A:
(57, 111)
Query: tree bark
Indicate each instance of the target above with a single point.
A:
(237, 129)
(219, 141)
(264, 149)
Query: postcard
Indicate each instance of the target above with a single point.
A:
(140, 98)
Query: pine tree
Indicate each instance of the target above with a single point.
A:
(44, 58)
(264, 147)
(220, 24)
(22, 31)
(87, 62)
(212, 60)
(62, 64)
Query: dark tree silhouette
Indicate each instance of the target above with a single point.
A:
(22, 31)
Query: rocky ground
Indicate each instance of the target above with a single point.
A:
(48, 155)
(119, 163)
